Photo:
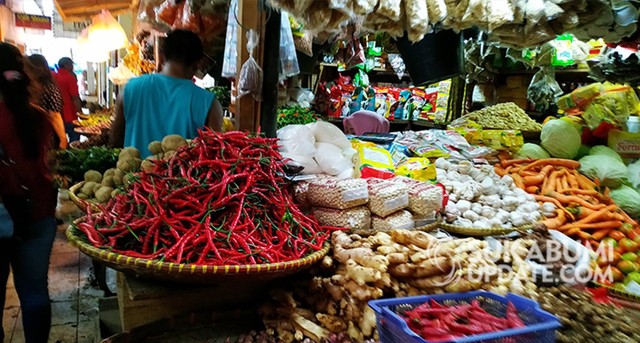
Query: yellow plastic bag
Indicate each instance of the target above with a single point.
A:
(626, 144)
(418, 168)
(372, 156)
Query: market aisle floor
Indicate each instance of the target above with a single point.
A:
(75, 301)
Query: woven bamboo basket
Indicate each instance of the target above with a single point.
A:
(82, 204)
(189, 273)
(426, 228)
(621, 294)
(479, 232)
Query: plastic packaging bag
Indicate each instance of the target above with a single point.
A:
(300, 194)
(250, 81)
(331, 192)
(190, 19)
(167, 12)
(329, 133)
(296, 139)
(401, 220)
(229, 67)
(288, 57)
(357, 218)
(147, 11)
(425, 199)
(331, 159)
(386, 197)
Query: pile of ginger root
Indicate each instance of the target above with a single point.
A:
(332, 305)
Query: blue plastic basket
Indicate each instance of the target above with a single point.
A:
(541, 325)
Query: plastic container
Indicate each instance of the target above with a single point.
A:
(540, 328)
(633, 124)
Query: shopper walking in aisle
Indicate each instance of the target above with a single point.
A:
(48, 96)
(156, 105)
(27, 197)
(68, 84)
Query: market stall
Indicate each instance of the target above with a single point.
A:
(515, 221)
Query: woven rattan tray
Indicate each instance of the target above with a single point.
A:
(189, 273)
(82, 204)
(479, 232)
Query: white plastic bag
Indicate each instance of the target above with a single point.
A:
(250, 81)
(288, 57)
(329, 133)
(297, 140)
(229, 66)
(310, 165)
(331, 160)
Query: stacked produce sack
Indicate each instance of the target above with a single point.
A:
(371, 205)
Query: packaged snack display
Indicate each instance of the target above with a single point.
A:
(418, 168)
(372, 156)
(425, 199)
(338, 194)
(626, 144)
(357, 218)
(401, 220)
(386, 197)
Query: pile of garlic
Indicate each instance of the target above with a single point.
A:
(479, 198)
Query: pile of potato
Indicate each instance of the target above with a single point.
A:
(164, 150)
(397, 263)
(100, 188)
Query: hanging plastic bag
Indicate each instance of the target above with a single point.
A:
(190, 17)
(251, 74)
(229, 67)
(168, 11)
(288, 57)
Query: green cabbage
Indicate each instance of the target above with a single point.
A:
(628, 199)
(604, 150)
(560, 139)
(531, 151)
(610, 171)
(634, 174)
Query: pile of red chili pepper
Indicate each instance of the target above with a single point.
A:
(221, 200)
(439, 323)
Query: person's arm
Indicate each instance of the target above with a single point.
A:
(215, 117)
(116, 140)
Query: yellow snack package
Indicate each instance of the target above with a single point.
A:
(418, 168)
(626, 144)
(372, 156)
(510, 140)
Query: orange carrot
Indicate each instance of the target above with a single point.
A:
(551, 183)
(555, 223)
(584, 235)
(568, 199)
(499, 170)
(628, 219)
(554, 162)
(600, 234)
(597, 214)
(577, 191)
(538, 178)
(573, 181)
(508, 163)
(609, 224)
(571, 231)
(542, 198)
(532, 189)
(563, 182)
(517, 179)
(584, 181)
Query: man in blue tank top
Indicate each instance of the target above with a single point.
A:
(156, 105)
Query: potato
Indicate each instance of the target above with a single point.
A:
(168, 155)
(109, 172)
(83, 196)
(96, 187)
(129, 164)
(173, 142)
(108, 181)
(93, 175)
(127, 180)
(149, 164)
(155, 147)
(87, 188)
(104, 194)
(114, 193)
(130, 152)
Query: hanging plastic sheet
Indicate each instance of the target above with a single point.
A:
(288, 57)
(229, 67)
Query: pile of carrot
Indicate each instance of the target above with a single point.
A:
(584, 209)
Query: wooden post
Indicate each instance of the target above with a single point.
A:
(250, 16)
(271, 60)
